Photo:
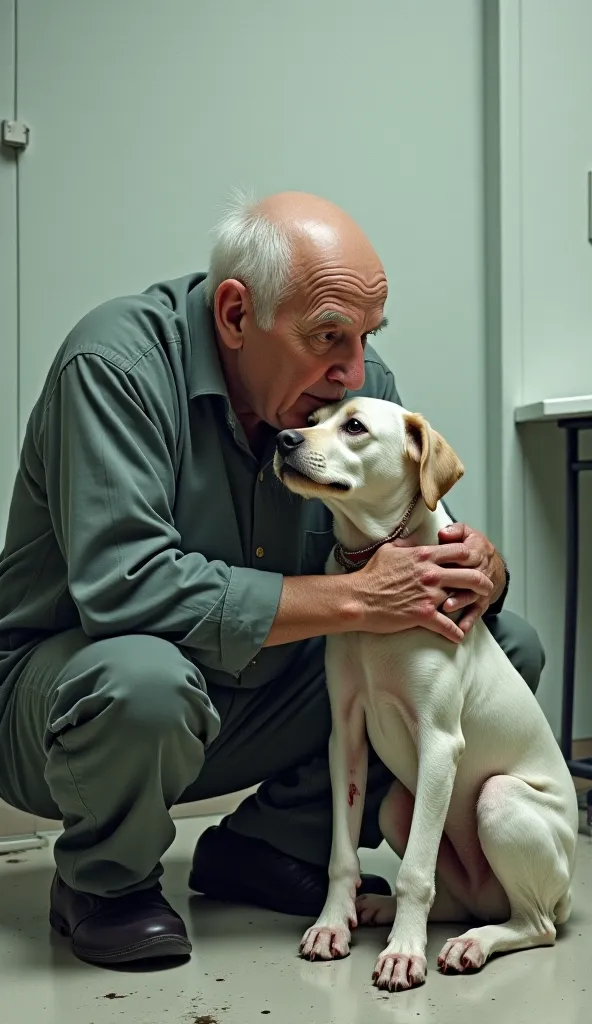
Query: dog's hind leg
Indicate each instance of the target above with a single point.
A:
(530, 847)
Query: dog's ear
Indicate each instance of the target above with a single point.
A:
(439, 465)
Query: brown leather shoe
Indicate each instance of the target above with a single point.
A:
(140, 926)
(237, 869)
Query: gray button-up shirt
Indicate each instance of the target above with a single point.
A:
(138, 505)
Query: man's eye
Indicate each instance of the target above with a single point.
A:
(327, 338)
(354, 426)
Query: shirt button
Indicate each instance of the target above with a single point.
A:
(253, 662)
(261, 477)
(260, 552)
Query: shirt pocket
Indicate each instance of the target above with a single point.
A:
(317, 546)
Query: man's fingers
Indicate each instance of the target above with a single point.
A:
(460, 599)
(452, 532)
(475, 612)
(451, 553)
(445, 627)
(467, 579)
(441, 554)
(468, 621)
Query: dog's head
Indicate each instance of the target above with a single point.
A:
(366, 449)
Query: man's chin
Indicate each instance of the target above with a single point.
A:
(293, 419)
(297, 415)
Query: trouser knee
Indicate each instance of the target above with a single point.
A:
(142, 684)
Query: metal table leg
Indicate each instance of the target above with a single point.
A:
(582, 767)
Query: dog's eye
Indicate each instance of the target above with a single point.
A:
(354, 426)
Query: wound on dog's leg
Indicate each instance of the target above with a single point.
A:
(352, 794)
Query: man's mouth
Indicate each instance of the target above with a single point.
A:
(323, 399)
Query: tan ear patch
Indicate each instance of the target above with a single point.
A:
(439, 465)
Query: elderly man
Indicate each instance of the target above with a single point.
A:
(162, 603)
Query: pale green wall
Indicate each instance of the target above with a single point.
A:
(145, 114)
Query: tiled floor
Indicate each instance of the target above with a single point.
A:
(245, 966)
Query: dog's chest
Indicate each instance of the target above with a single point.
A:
(371, 671)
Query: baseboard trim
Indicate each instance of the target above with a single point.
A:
(18, 844)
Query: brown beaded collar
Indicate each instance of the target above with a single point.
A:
(354, 560)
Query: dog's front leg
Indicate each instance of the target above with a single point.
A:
(402, 964)
(329, 938)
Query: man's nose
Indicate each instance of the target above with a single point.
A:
(288, 440)
(350, 374)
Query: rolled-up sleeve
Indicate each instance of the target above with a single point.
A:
(108, 443)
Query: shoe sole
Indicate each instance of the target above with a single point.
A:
(151, 949)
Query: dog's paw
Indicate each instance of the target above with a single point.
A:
(399, 971)
(321, 943)
(460, 955)
(376, 910)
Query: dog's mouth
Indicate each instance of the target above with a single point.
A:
(287, 472)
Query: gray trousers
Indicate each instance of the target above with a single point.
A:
(109, 734)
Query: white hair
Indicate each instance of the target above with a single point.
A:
(253, 250)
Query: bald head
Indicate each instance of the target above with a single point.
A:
(313, 223)
(274, 244)
(296, 289)
(303, 212)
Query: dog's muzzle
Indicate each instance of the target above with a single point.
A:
(287, 441)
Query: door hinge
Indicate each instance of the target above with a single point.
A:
(15, 134)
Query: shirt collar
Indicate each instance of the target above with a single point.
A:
(206, 375)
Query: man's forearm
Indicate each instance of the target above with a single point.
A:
(314, 606)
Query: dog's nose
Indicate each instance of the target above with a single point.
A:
(288, 440)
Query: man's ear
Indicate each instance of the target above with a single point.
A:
(231, 302)
(439, 465)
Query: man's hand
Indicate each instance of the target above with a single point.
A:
(405, 585)
(485, 558)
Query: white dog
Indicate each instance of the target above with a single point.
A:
(483, 811)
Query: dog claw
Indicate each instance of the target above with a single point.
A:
(460, 955)
(398, 972)
(325, 943)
